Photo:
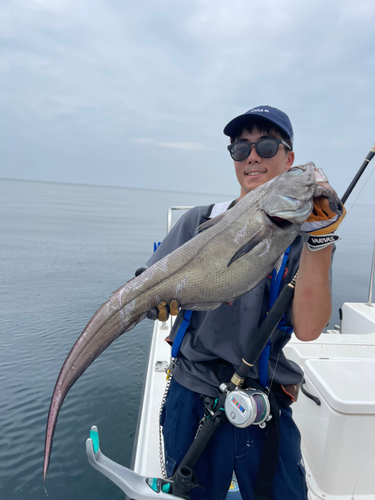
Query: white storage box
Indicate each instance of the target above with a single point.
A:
(358, 318)
(338, 437)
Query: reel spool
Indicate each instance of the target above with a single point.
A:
(246, 407)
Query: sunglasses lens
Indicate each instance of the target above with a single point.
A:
(267, 148)
(240, 151)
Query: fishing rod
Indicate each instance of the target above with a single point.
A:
(364, 165)
(282, 303)
(256, 346)
(179, 486)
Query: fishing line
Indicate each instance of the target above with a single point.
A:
(277, 361)
(283, 301)
(358, 175)
(359, 194)
(345, 196)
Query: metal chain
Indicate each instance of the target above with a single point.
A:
(200, 426)
(161, 445)
(161, 441)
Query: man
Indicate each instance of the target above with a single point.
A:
(261, 146)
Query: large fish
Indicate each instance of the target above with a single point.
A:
(229, 256)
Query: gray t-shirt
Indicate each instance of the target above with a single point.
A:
(225, 332)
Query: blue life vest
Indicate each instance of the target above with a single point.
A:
(277, 278)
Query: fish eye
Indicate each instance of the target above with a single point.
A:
(290, 199)
(295, 171)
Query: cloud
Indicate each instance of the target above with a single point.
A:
(221, 20)
(142, 140)
(362, 10)
(192, 146)
(115, 75)
(56, 6)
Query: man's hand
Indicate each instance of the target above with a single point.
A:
(163, 310)
(325, 218)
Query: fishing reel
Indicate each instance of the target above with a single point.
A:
(244, 407)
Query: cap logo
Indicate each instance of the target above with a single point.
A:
(259, 110)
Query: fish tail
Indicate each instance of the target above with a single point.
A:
(122, 312)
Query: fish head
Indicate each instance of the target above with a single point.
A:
(289, 199)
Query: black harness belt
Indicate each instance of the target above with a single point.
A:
(269, 458)
(270, 454)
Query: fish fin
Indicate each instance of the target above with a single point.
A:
(210, 223)
(203, 306)
(278, 263)
(254, 240)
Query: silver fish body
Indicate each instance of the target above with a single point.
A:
(231, 255)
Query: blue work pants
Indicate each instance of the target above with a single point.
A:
(230, 449)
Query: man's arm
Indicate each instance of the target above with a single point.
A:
(312, 304)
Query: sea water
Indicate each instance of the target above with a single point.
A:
(64, 249)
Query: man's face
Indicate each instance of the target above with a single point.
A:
(255, 170)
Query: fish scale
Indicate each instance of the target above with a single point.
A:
(231, 254)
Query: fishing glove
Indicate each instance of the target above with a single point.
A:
(163, 310)
(328, 213)
(325, 218)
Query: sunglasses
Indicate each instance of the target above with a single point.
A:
(265, 148)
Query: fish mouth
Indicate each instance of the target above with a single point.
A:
(279, 222)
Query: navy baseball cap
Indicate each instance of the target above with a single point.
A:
(273, 115)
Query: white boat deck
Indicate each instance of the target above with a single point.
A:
(338, 442)
(146, 457)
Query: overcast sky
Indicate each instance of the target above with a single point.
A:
(136, 94)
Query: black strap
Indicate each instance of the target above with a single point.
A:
(221, 368)
(268, 461)
(208, 213)
(270, 455)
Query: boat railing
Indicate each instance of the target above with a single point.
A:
(371, 278)
(169, 215)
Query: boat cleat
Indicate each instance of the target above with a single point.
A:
(137, 487)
